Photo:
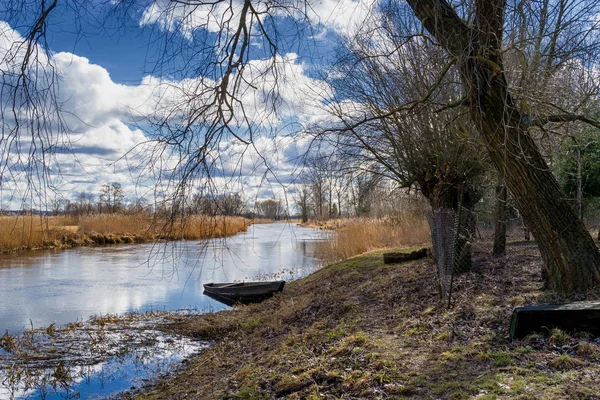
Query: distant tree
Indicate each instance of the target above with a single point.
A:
(139, 206)
(111, 197)
(363, 189)
(270, 208)
(59, 205)
(315, 175)
(303, 202)
(231, 204)
(579, 166)
(82, 204)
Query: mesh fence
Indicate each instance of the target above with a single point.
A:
(452, 235)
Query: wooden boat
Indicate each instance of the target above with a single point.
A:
(242, 292)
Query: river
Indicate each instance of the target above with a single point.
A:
(41, 288)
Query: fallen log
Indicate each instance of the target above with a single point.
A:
(398, 257)
(582, 316)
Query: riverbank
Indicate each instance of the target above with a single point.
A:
(20, 233)
(361, 329)
(358, 235)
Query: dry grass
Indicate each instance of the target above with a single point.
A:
(359, 235)
(33, 232)
(361, 329)
(17, 232)
(204, 227)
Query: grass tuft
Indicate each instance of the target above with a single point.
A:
(559, 337)
(565, 361)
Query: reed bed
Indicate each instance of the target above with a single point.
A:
(24, 232)
(18, 232)
(358, 235)
(204, 227)
(142, 225)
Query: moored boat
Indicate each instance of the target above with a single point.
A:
(243, 292)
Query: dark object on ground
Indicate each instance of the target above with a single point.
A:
(242, 292)
(583, 316)
(397, 257)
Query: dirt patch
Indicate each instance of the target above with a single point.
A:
(362, 329)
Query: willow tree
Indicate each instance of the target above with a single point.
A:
(421, 147)
(572, 260)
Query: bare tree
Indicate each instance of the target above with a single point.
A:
(85, 202)
(303, 202)
(270, 208)
(572, 260)
(111, 197)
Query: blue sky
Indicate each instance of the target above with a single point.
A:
(109, 88)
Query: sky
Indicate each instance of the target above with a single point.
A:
(116, 76)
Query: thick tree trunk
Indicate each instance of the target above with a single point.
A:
(571, 258)
(499, 248)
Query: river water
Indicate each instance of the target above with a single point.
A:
(45, 287)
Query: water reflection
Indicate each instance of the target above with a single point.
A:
(101, 357)
(41, 288)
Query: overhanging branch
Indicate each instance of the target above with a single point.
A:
(545, 119)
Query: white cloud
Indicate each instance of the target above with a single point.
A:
(343, 16)
(186, 18)
(102, 116)
(340, 16)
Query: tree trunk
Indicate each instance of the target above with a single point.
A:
(499, 248)
(571, 258)
(570, 255)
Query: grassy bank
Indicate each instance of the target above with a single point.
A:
(35, 232)
(360, 329)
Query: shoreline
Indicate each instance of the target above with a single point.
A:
(69, 237)
(362, 329)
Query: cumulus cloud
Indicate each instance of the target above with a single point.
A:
(340, 16)
(109, 124)
(186, 18)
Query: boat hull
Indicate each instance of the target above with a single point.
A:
(243, 292)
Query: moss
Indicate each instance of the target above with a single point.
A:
(249, 393)
(444, 337)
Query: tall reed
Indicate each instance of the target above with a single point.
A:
(358, 235)
(25, 231)
(34, 231)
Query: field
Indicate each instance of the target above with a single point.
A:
(34, 232)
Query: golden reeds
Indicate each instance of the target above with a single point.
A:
(359, 235)
(34, 231)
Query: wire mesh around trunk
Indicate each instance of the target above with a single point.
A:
(451, 235)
